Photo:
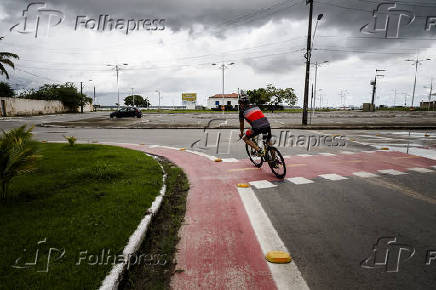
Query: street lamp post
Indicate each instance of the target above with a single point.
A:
(374, 86)
(223, 67)
(117, 69)
(158, 91)
(315, 85)
(133, 98)
(416, 63)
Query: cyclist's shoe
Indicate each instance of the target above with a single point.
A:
(261, 153)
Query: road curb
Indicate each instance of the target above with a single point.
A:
(301, 127)
(112, 280)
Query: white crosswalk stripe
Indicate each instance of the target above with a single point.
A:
(391, 172)
(332, 177)
(260, 184)
(347, 152)
(304, 155)
(421, 170)
(230, 160)
(299, 180)
(365, 174)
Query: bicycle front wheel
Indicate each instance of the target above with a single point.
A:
(252, 154)
(276, 162)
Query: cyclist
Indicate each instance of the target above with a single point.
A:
(258, 122)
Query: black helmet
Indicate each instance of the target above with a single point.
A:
(243, 100)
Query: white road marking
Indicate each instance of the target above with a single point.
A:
(286, 276)
(230, 160)
(365, 174)
(332, 177)
(421, 170)
(347, 152)
(304, 155)
(260, 184)
(369, 151)
(327, 154)
(391, 171)
(299, 180)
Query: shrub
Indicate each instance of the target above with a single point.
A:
(17, 156)
(71, 140)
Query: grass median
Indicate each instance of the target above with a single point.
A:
(81, 204)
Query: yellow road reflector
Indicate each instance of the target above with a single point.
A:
(384, 148)
(243, 185)
(278, 257)
(182, 149)
(218, 160)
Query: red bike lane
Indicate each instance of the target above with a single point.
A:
(218, 247)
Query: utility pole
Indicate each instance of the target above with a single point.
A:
(81, 97)
(416, 62)
(431, 93)
(94, 95)
(117, 69)
(223, 67)
(314, 94)
(308, 56)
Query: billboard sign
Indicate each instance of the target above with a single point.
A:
(189, 97)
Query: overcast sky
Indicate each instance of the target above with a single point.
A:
(266, 40)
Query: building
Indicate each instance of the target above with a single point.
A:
(428, 105)
(217, 100)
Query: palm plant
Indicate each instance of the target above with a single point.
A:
(5, 61)
(17, 156)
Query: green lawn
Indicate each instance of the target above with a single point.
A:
(82, 198)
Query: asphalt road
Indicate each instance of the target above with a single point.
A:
(329, 226)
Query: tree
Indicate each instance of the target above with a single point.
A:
(258, 96)
(17, 156)
(66, 93)
(5, 60)
(272, 96)
(139, 101)
(280, 96)
(6, 90)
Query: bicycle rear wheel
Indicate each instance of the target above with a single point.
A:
(276, 162)
(252, 154)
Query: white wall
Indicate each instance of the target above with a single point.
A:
(27, 107)
(211, 102)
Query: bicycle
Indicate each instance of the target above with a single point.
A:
(272, 155)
